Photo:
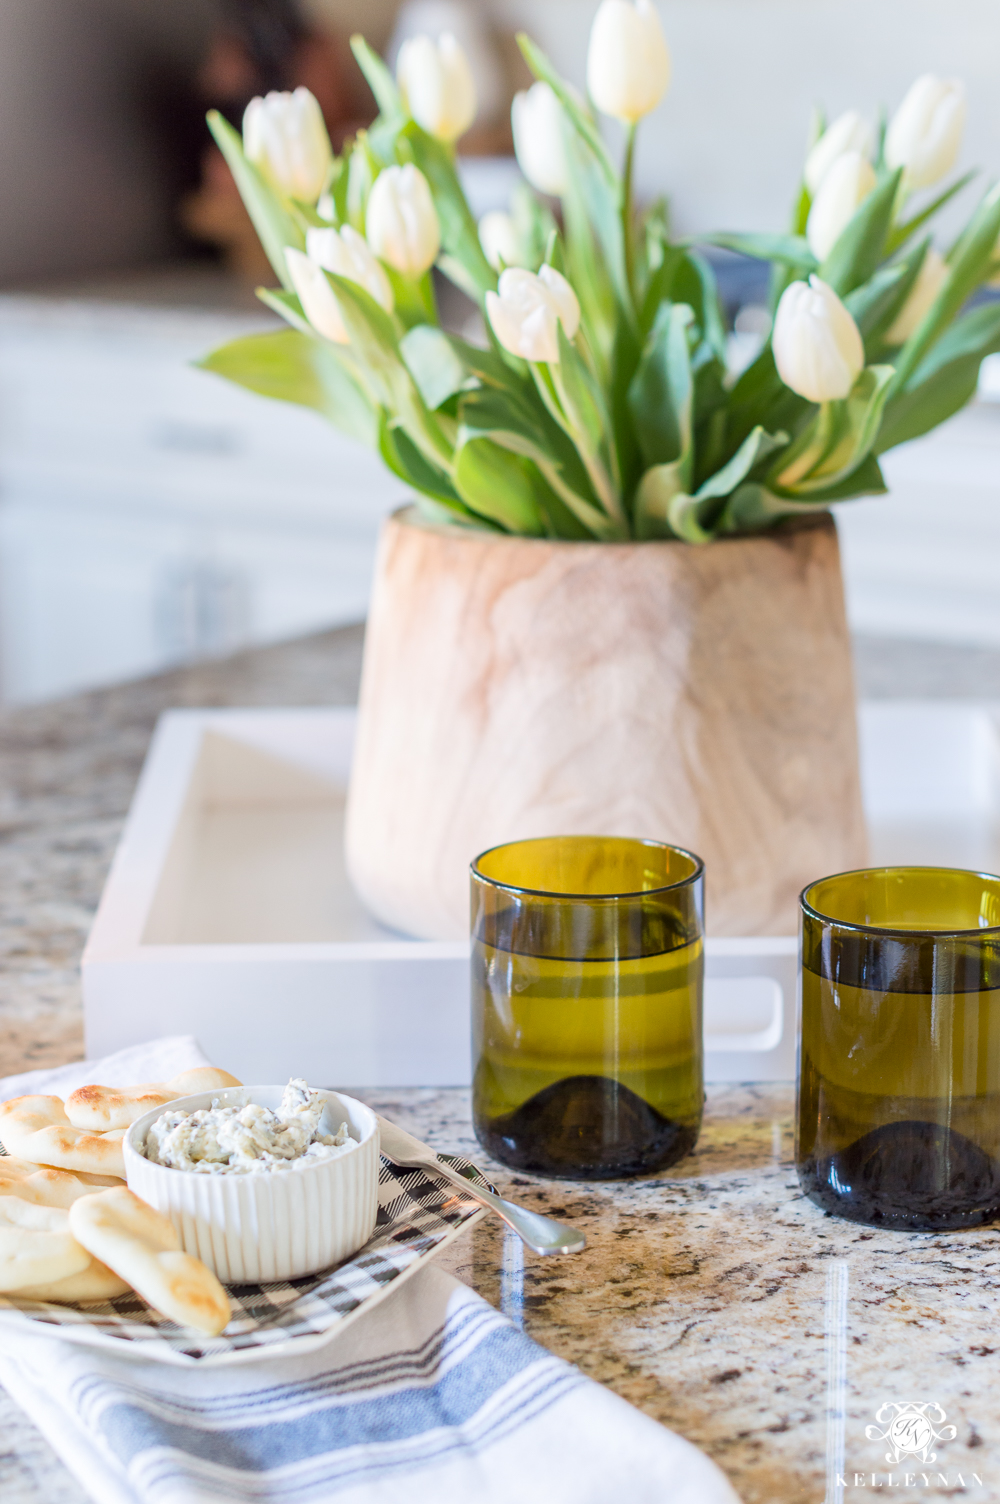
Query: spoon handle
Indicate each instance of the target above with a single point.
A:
(541, 1234)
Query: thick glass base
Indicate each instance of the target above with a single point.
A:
(586, 1128)
(911, 1176)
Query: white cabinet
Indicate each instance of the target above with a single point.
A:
(152, 513)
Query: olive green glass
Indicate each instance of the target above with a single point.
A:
(587, 976)
(898, 1116)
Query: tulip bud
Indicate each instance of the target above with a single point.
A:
(526, 310)
(536, 117)
(285, 136)
(925, 133)
(318, 299)
(499, 239)
(930, 279)
(346, 253)
(401, 222)
(849, 132)
(817, 345)
(849, 180)
(628, 65)
(437, 85)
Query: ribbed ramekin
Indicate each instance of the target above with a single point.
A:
(274, 1225)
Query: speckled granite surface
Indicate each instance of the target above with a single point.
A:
(715, 1298)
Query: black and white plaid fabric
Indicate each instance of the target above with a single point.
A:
(417, 1213)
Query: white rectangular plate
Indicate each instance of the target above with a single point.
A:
(228, 913)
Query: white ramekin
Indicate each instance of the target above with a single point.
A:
(277, 1225)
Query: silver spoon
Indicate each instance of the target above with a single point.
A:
(541, 1234)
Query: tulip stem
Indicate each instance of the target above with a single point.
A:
(628, 218)
(553, 394)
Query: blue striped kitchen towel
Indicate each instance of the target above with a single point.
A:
(432, 1397)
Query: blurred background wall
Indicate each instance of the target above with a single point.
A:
(150, 514)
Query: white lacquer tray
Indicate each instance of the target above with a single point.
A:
(227, 913)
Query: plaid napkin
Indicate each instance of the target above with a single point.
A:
(431, 1396)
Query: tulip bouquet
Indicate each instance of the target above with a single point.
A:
(600, 404)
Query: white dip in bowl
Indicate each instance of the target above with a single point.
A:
(257, 1190)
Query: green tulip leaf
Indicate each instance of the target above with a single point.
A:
(287, 305)
(761, 399)
(660, 394)
(905, 231)
(363, 168)
(758, 446)
(787, 250)
(435, 364)
(374, 337)
(861, 246)
(840, 436)
(502, 417)
(404, 459)
(875, 304)
(577, 114)
(299, 368)
(969, 262)
(276, 227)
(501, 485)
(378, 77)
(945, 381)
(659, 487)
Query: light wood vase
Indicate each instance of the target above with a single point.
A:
(518, 687)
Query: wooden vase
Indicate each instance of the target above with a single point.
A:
(518, 687)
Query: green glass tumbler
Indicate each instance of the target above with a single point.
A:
(898, 1112)
(587, 979)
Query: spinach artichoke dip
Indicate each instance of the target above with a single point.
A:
(247, 1140)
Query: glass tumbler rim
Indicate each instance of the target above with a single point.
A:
(697, 870)
(901, 932)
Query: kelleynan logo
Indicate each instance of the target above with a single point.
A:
(910, 1431)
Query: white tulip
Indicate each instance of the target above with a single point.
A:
(285, 136)
(817, 345)
(526, 310)
(401, 222)
(930, 279)
(437, 85)
(536, 118)
(849, 132)
(499, 239)
(347, 253)
(318, 299)
(628, 65)
(925, 133)
(849, 180)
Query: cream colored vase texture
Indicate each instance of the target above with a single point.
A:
(517, 687)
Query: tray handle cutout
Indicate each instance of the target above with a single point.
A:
(743, 1013)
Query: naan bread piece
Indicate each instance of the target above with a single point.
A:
(143, 1247)
(96, 1282)
(45, 1187)
(36, 1244)
(38, 1129)
(100, 1108)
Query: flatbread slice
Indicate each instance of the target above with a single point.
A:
(38, 1129)
(96, 1282)
(142, 1246)
(100, 1108)
(47, 1187)
(36, 1244)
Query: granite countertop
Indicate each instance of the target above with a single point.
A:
(713, 1297)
